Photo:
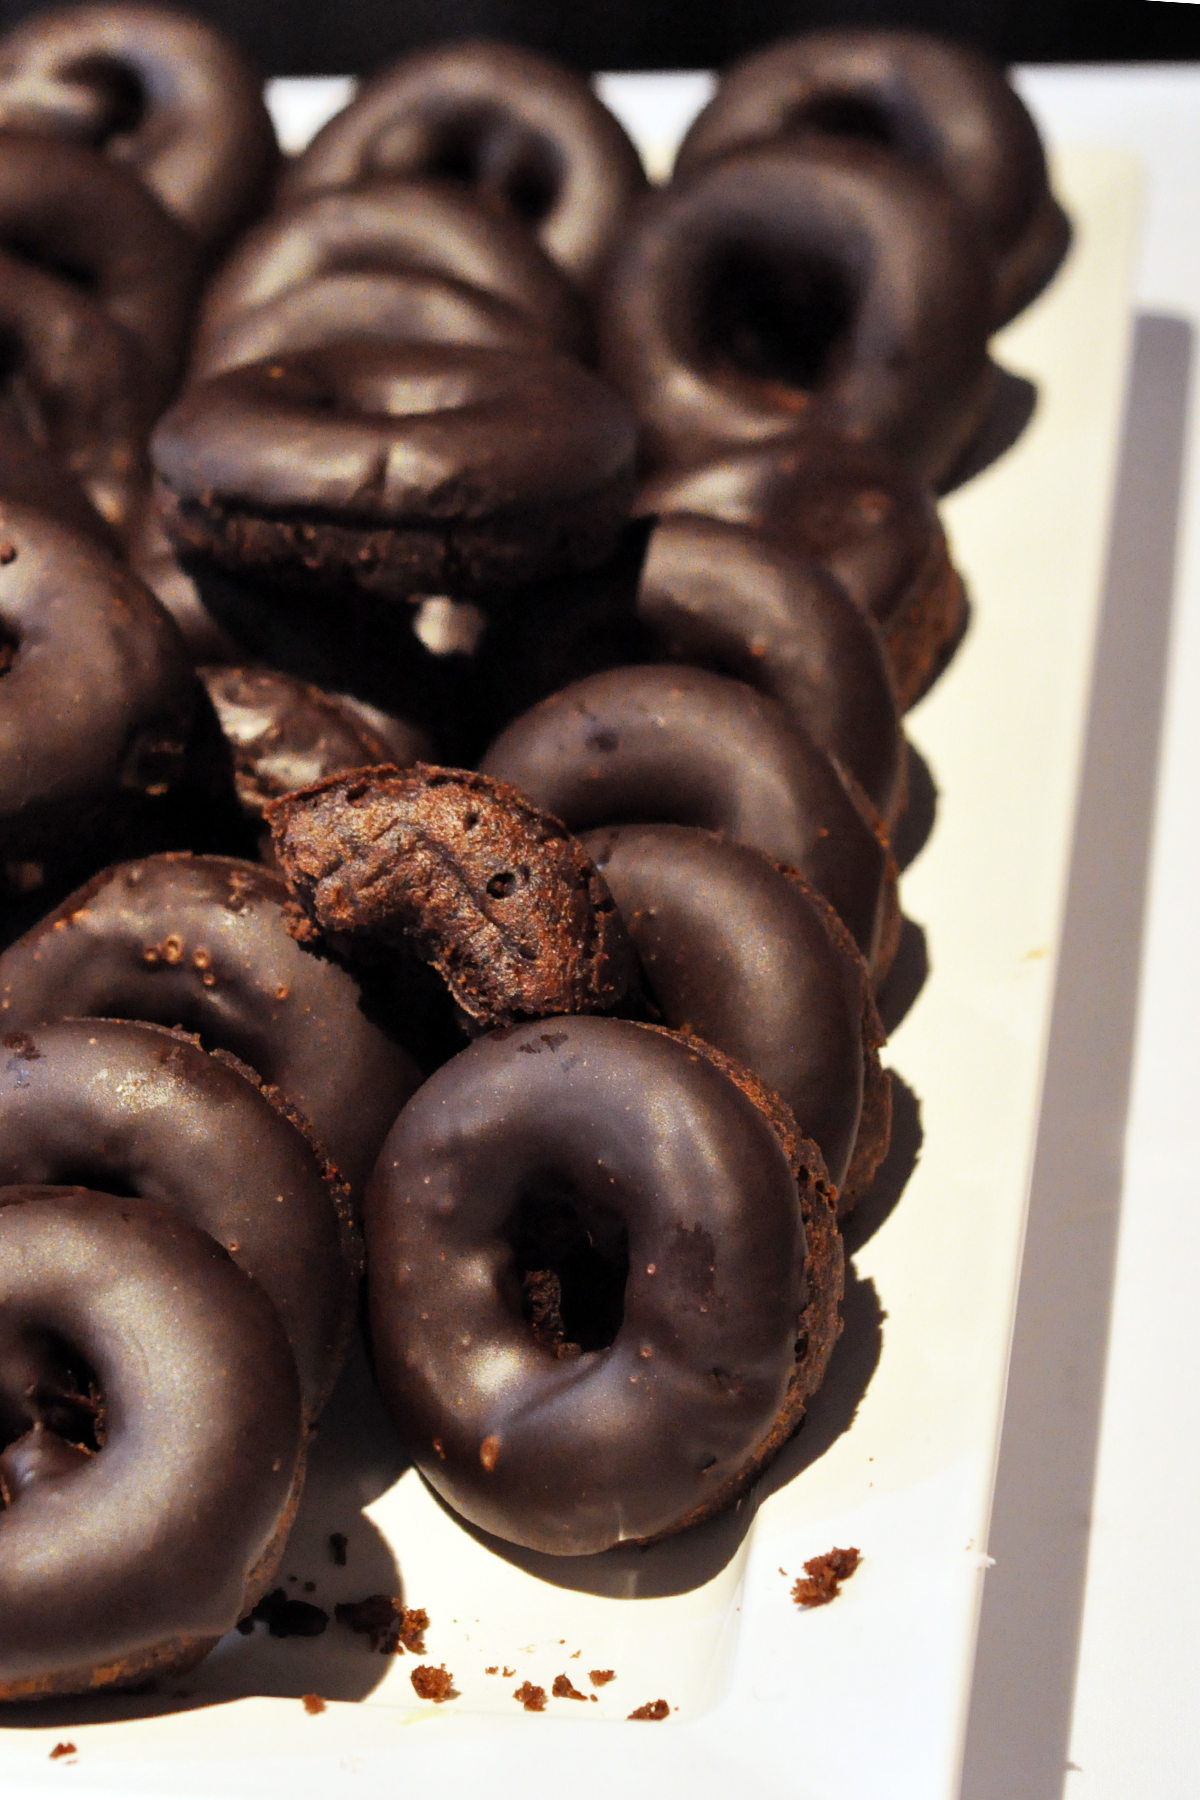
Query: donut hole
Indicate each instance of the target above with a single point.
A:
(46, 1381)
(776, 320)
(843, 115)
(500, 160)
(116, 95)
(571, 1260)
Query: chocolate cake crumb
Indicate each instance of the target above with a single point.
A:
(508, 1673)
(825, 1576)
(494, 1670)
(339, 1543)
(63, 1750)
(285, 1618)
(532, 1697)
(433, 1684)
(653, 1709)
(601, 1677)
(313, 1703)
(563, 1690)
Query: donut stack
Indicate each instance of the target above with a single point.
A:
(558, 558)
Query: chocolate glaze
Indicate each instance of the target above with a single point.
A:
(526, 133)
(112, 1105)
(202, 942)
(30, 475)
(397, 228)
(620, 1160)
(494, 895)
(133, 1557)
(406, 468)
(793, 289)
(161, 91)
(939, 104)
(680, 745)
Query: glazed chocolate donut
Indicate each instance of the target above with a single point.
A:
(162, 91)
(151, 1442)
(598, 1301)
(31, 476)
(202, 942)
(526, 133)
(723, 597)
(941, 105)
(799, 289)
(407, 468)
(153, 560)
(110, 1105)
(399, 228)
(87, 221)
(744, 955)
(683, 746)
(867, 518)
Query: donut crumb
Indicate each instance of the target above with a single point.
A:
(563, 1689)
(532, 1697)
(825, 1576)
(653, 1709)
(433, 1684)
(65, 1749)
(601, 1677)
(313, 1703)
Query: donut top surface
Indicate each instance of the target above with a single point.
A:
(526, 133)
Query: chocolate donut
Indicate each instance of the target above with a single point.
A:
(31, 476)
(866, 517)
(409, 468)
(399, 228)
(202, 942)
(598, 1300)
(742, 954)
(93, 225)
(724, 597)
(683, 746)
(938, 104)
(108, 1105)
(151, 1442)
(161, 91)
(798, 289)
(526, 133)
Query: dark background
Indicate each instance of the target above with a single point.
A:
(327, 37)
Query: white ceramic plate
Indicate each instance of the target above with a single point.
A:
(867, 1697)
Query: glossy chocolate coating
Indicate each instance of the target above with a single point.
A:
(797, 289)
(724, 597)
(31, 475)
(665, 1162)
(526, 133)
(405, 468)
(108, 1104)
(939, 104)
(495, 896)
(63, 207)
(682, 746)
(739, 955)
(99, 701)
(161, 91)
(136, 1557)
(202, 942)
(398, 228)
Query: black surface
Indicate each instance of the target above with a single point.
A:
(317, 38)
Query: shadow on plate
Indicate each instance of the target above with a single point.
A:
(892, 1176)
(911, 831)
(906, 977)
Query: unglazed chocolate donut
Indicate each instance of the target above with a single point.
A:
(683, 746)
(526, 133)
(797, 289)
(862, 514)
(939, 104)
(405, 468)
(146, 1111)
(164, 92)
(65, 208)
(742, 954)
(202, 942)
(151, 1442)
(395, 228)
(598, 1299)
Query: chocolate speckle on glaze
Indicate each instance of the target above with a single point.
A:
(494, 894)
(664, 744)
(122, 1555)
(202, 942)
(625, 1158)
(144, 1111)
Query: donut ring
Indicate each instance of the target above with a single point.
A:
(161, 91)
(942, 105)
(398, 228)
(129, 1560)
(105, 1104)
(795, 289)
(603, 1172)
(525, 132)
(682, 746)
(404, 468)
(66, 207)
(202, 942)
